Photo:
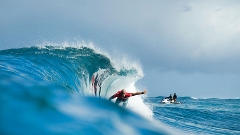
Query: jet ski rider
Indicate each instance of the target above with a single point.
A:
(174, 97)
(170, 97)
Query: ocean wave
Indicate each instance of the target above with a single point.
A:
(52, 87)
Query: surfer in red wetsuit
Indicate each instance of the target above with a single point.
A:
(122, 96)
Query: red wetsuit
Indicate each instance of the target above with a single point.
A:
(119, 95)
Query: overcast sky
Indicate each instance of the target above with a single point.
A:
(188, 47)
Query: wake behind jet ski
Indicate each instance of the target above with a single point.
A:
(168, 101)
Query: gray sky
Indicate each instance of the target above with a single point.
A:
(188, 47)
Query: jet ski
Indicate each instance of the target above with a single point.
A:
(168, 101)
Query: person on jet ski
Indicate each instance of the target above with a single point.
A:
(170, 97)
(174, 97)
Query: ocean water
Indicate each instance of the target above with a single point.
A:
(200, 116)
(50, 90)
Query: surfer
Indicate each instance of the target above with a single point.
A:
(122, 96)
(174, 97)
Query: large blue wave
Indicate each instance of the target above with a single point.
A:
(50, 89)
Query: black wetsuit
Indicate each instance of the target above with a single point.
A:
(174, 97)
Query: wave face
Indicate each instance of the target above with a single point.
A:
(63, 90)
(200, 116)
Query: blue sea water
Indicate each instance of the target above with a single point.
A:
(50, 90)
(200, 116)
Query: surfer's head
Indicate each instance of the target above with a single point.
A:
(123, 92)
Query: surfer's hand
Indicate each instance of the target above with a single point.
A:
(144, 92)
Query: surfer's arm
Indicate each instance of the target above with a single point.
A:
(112, 97)
(139, 93)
